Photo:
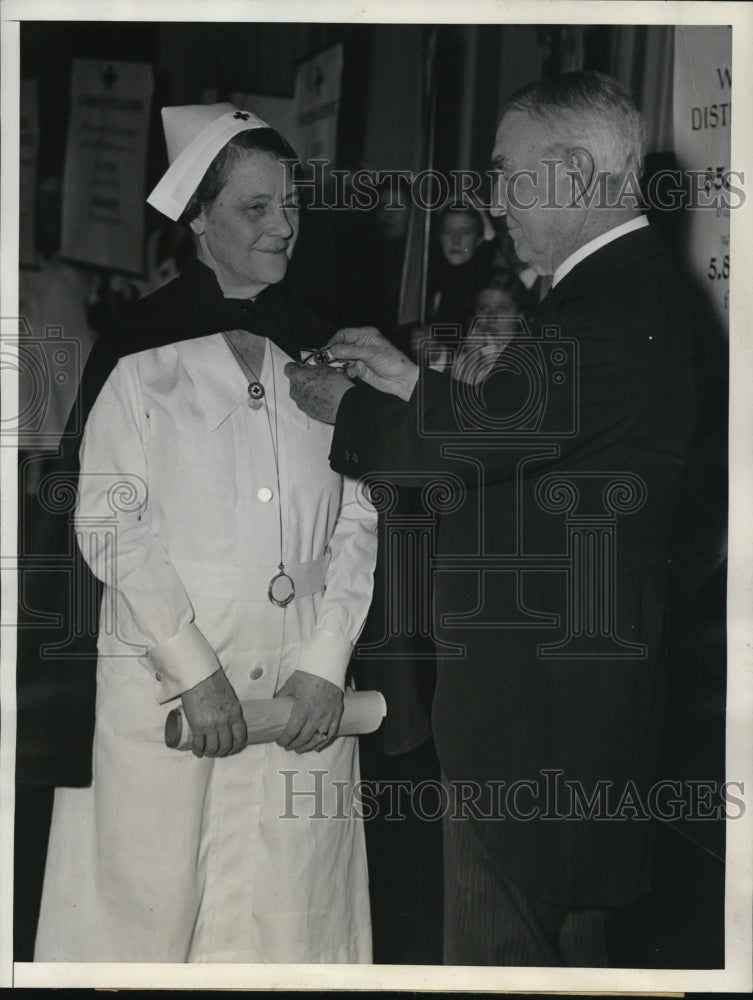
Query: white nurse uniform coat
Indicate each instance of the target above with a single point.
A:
(256, 857)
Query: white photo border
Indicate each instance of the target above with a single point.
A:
(737, 974)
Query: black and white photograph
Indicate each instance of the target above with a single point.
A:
(376, 475)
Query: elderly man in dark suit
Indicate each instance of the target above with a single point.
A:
(562, 474)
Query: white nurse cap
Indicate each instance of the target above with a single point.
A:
(194, 134)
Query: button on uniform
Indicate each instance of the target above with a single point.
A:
(264, 494)
(256, 673)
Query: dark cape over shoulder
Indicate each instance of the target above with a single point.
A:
(59, 597)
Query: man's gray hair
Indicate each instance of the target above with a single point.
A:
(589, 109)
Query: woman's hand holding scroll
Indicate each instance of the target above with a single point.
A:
(317, 710)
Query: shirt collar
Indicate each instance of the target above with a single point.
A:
(596, 244)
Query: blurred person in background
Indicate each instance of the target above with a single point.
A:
(496, 318)
(53, 303)
(460, 263)
(461, 266)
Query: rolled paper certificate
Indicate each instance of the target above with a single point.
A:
(266, 719)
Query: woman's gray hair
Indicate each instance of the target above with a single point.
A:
(591, 110)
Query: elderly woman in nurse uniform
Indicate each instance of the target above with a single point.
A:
(236, 566)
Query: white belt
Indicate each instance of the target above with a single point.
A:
(247, 583)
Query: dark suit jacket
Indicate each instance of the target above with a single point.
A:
(551, 565)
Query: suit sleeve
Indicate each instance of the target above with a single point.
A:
(143, 592)
(591, 410)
